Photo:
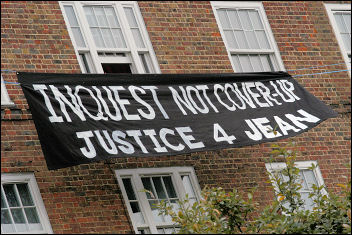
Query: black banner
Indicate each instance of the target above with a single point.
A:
(83, 118)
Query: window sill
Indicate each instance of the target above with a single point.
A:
(8, 105)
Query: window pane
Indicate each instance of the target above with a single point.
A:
(169, 187)
(230, 38)
(148, 186)
(144, 58)
(129, 189)
(255, 61)
(188, 186)
(235, 22)
(137, 214)
(343, 21)
(266, 62)
(134, 27)
(340, 22)
(310, 178)
(5, 217)
(308, 202)
(236, 61)
(244, 19)
(5, 99)
(108, 33)
(118, 37)
(246, 64)
(84, 59)
(159, 187)
(71, 15)
(302, 181)
(130, 17)
(346, 38)
(111, 16)
(98, 39)
(32, 215)
(242, 42)
(174, 205)
(138, 38)
(256, 21)
(77, 34)
(281, 175)
(10, 195)
(24, 194)
(135, 207)
(192, 200)
(99, 12)
(347, 19)
(252, 40)
(155, 211)
(18, 216)
(224, 19)
(90, 16)
(152, 203)
(3, 205)
(262, 39)
(6, 224)
(108, 38)
(247, 27)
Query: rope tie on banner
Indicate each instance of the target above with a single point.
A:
(10, 71)
(13, 83)
(300, 75)
(294, 76)
(313, 67)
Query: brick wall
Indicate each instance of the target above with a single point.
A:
(305, 39)
(186, 39)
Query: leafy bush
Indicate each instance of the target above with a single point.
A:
(230, 212)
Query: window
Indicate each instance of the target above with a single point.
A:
(340, 18)
(144, 187)
(247, 35)
(308, 177)
(22, 208)
(5, 99)
(109, 37)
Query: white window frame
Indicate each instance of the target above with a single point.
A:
(135, 61)
(135, 175)
(5, 98)
(330, 8)
(277, 63)
(273, 167)
(29, 178)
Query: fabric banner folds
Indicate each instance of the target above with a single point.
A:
(83, 118)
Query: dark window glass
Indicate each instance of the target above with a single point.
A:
(116, 68)
(85, 62)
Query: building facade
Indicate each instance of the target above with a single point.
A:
(301, 37)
